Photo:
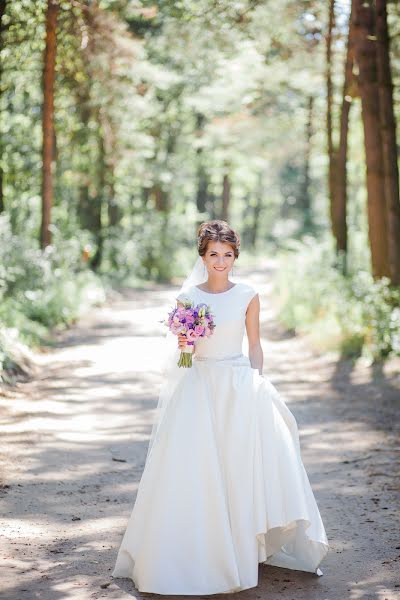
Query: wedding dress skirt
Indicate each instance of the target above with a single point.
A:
(224, 487)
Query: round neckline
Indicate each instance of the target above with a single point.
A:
(215, 293)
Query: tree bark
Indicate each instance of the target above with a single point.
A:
(85, 208)
(161, 201)
(226, 197)
(257, 209)
(365, 56)
(98, 200)
(2, 207)
(91, 193)
(202, 179)
(110, 151)
(341, 162)
(2, 29)
(329, 119)
(113, 210)
(212, 202)
(202, 189)
(305, 187)
(48, 120)
(389, 146)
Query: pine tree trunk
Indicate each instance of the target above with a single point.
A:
(202, 178)
(329, 120)
(365, 57)
(96, 209)
(160, 198)
(48, 120)
(113, 210)
(389, 147)
(212, 205)
(110, 151)
(341, 164)
(2, 28)
(305, 187)
(257, 212)
(86, 216)
(202, 189)
(2, 207)
(226, 197)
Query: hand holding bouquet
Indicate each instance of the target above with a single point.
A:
(192, 322)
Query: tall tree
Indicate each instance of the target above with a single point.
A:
(349, 91)
(48, 119)
(98, 201)
(2, 12)
(363, 20)
(305, 197)
(226, 197)
(257, 209)
(337, 153)
(202, 178)
(329, 117)
(389, 146)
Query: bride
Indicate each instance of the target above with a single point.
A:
(224, 487)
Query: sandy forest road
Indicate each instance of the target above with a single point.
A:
(73, 445)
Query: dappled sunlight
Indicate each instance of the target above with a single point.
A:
(371, 584)
(309, 431)
(13, 527)
(82, 432)
(126, 125)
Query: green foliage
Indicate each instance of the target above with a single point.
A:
(39, 290)
(353, 313)
(150, 253)
(155, 104)
(8, 361)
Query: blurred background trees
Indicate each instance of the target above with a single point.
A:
(125, 123)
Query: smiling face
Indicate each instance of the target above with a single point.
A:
(219, 259)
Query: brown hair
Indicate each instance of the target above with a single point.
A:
(217, 231)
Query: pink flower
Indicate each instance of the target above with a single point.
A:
(199, 329)
(186, 321)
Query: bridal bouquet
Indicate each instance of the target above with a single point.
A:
(193, 322)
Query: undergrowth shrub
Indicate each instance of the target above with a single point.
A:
(41, 289)
(352, 313)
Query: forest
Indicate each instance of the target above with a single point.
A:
(126, 123)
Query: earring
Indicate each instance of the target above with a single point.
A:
(204, 269)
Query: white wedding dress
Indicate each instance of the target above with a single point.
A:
(224, 487)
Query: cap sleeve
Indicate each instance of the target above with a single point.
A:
(251, 291)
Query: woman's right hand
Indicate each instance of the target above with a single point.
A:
(182, 341)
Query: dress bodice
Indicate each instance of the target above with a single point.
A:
(229, 310)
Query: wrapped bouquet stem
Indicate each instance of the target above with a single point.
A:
(185, 359)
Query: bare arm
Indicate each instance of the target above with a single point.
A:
(256, 355)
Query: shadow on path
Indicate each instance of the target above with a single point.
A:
(74, 443)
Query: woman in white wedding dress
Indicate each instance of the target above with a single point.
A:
(224, 487)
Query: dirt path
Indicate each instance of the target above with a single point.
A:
(73, 445)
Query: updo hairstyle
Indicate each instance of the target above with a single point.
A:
(217, 231)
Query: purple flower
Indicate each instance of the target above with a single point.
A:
(185, 320)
